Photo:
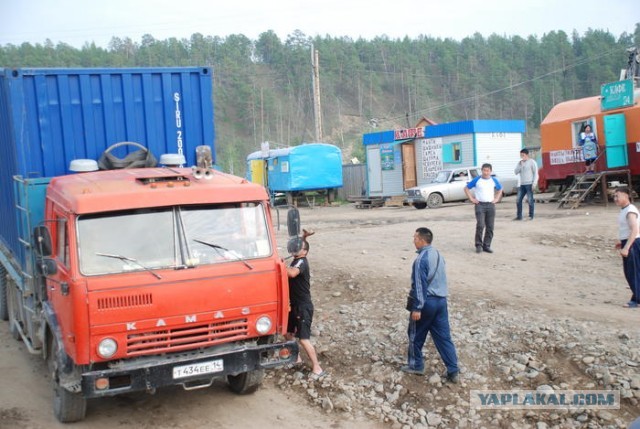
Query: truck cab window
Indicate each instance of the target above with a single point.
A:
(63, 241)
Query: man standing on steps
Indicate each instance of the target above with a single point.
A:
(527, 169)
(487, 193)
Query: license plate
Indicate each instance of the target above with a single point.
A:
(191, 370)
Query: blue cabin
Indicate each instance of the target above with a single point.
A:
(308, 167)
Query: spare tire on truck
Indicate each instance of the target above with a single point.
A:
(141, 158)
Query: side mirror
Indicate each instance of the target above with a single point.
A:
(46, 267)
(293, 222)
(42, 241)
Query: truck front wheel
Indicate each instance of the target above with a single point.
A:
(68, 407)
(247, 382)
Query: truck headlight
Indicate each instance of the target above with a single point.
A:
(107, 348)
(263, 325)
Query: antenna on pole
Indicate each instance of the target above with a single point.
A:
(315, 64)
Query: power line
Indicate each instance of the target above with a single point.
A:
(515, 85)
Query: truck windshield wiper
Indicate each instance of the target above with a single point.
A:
(135, 261)
(218, 248)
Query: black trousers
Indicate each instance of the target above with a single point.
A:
(485, 219)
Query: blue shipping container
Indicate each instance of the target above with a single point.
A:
(49, 117)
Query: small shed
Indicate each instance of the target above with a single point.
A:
(307, 167)
(401, 159)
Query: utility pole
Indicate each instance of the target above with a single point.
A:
(316, 93)
(261, 114)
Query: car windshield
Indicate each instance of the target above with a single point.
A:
(442, 177)
(147, 239)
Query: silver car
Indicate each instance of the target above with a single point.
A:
(448, 185)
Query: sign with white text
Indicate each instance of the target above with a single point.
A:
(616, 94)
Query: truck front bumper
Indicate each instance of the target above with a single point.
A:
(190, 370)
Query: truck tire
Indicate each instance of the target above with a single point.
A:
(434, 200)
(420, 206)
(247, 382)
(4, 310)
(68, 407)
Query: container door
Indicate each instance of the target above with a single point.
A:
(615, 137)
(374, 170)
(409, 165)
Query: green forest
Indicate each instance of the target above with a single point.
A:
(263, 87)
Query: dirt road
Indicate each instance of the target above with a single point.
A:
(551, 278)
(25, 403)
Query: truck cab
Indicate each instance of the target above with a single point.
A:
(149, 278)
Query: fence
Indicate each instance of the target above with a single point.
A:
(354, 181)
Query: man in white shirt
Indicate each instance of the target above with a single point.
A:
(487, 193)
(629, 244)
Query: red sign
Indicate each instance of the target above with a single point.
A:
(409, 133)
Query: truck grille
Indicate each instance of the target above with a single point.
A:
(125, 301)
(185, 338)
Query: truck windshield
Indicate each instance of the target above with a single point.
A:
(164, 237)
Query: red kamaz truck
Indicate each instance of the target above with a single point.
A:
(134, 279)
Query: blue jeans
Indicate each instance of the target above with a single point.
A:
(485, 219)
(522, 190)
(434, 319)
(631, 267)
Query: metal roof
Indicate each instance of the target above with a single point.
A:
(476, 126)
(573, 109)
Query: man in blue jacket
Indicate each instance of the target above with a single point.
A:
(487, 193)
(428, 306)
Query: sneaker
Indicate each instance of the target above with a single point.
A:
(631, 304)
(487, 249)
(517, 218)
(453, 378)
(531, 218)
(478, 249)
(409, 370)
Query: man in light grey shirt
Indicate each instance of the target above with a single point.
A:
(528, 171)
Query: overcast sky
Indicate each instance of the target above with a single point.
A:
(77, 21)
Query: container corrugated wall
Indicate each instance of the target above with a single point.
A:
(49, 117)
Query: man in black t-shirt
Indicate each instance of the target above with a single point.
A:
(301, 313)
